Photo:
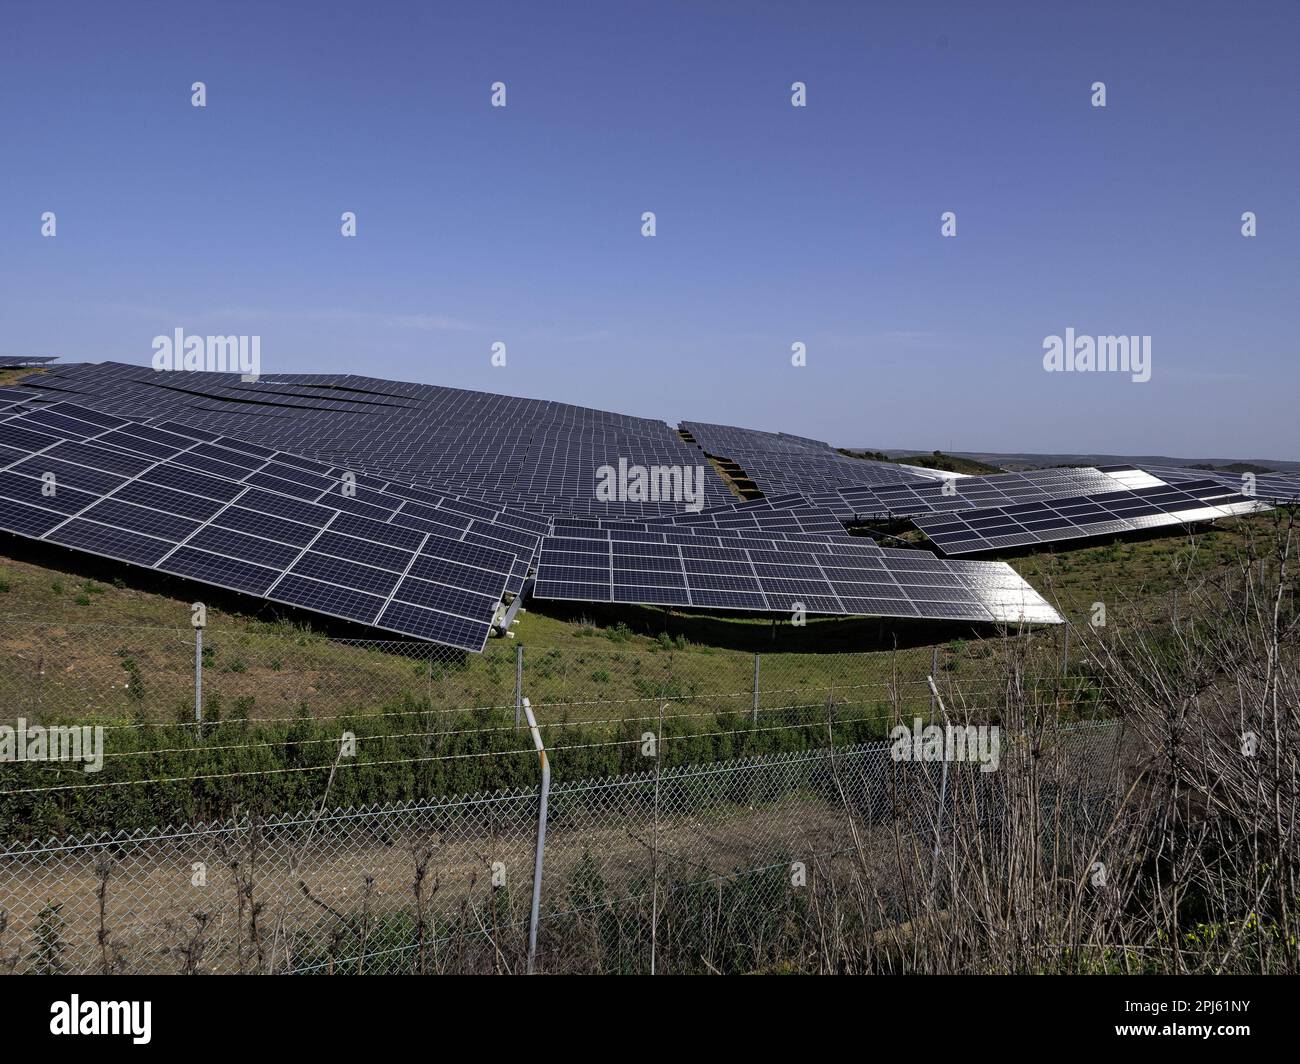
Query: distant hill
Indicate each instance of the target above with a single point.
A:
(948, 463)
(1235, 467)
(1030, 460)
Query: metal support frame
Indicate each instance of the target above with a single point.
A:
(508, 618)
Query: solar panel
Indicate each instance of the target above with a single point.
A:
(905, 499)
(24, 361)
(524, 453)
(415, 507)
(1278, 488)
(1081, 516)
(780, 463)
(147, 508)
(828, 578)
(697, 533)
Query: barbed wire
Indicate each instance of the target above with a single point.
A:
(821, 706)
(349, 763)
(884, 685)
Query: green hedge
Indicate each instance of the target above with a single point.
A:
(234, 765)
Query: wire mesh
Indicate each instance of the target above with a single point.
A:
(444, 884)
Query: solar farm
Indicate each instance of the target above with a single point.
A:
(412, 589)
(430, 512)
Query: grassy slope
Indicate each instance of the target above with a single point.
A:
(84, 645)
(591, 662)
(1126, 571)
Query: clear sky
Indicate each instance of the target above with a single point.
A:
(775, 224)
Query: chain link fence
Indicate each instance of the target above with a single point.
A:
(290, 855)
(111, 673)
(669, 865)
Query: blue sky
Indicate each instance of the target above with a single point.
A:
(775, 224)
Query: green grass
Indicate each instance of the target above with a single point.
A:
(278, 693)
(1130, 570)
(587, 662)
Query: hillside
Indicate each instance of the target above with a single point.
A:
(92, 630)
(936, 460)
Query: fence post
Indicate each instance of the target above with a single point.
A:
(654, 850)
(541, 837)
(755, 690)
(943, 794)
(198, 674)
(1065, 649)
(199, 619)
(519, 681)
(934, 672)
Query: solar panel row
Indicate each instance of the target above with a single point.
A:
(793, 518)
(914, 497)
(522, 452)
(1080, 516)
(260, 522)
(24, 361)
(779, 463)
(1281, 489)
(415, 508)
(591, 528)
(829, 578)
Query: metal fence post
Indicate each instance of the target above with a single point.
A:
(1065, 649)
(541, 837)
(519, 681)
(943, 793)
(938, 820)
(198, 674)
(934, 673)
(756, 690)
(199, 620)
(654, 851)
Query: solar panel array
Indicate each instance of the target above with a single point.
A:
(588, 528)
(24, 361)
(1144, 506)
(779, 463)
(1281, 489)
(14, 398)
(526, 453)
(838, 578)
(265, 523)
(912, 498)
(416, 508)
(802, 519)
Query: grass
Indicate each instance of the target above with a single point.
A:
(68, 635)
(1128, 570)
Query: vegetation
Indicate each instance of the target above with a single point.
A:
(278, 695)
(1233, 467)
(935, 460)
(1178, 855)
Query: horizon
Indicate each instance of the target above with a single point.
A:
(894, 451)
